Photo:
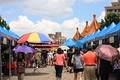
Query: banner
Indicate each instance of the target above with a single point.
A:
(100, 41)
(91, 43)
(111, 39)
(4, 40)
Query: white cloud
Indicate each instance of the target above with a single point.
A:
(24, 25)
(114, 0)
(88, 1)
(45, 8)
(51, 8)
(102, 15)
(6, 2)
(68, 28)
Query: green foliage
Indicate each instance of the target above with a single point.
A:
(3, 23)
(109, 18)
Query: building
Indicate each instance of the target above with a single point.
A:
(58, 38)
(115, 8)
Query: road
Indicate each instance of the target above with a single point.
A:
(46, 73)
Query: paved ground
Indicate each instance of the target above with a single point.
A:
(46, 73)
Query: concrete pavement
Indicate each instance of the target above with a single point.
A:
(47, 73)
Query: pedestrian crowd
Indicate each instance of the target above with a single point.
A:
(85, 65)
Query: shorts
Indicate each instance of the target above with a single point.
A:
(78, 70)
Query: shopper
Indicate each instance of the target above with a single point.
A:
(77, 64)
(89, 60)
(59, 59)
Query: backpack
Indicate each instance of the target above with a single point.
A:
(77, 63)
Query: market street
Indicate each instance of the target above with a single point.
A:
(47, 73)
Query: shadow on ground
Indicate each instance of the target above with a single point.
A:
(35, 74)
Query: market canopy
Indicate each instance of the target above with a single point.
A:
(78, 44)
(101, 33)
(85, 31)
(77, 35)
(69, 43)
(93, 26)
(8, 34)
(116, 28)
(107, 31)
(94, 36)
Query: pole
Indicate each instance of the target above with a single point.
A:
(10, 63)
(0, 64)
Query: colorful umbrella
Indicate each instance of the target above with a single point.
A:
(23, 48)
(34, 37)
(106, 52)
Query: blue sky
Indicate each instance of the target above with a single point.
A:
(49, 16)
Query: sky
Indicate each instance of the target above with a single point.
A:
(50, 16)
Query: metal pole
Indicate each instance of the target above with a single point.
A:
(0, 63)
(10, 62)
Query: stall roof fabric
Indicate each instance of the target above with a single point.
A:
(101, 32)
(110, 28)
(116, 28)
(85, 31)
(69, 43)
(5, 33)
(78, 44)
(95, 34)
(94, 25)
(106, 31)
(77, 35)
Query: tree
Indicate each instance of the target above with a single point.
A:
(108, 19)
(3, 23)
(111, 18)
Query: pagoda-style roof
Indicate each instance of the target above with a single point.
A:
(85, 31)
(94, 26)
(77, 35)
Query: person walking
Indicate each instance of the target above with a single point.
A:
(77, 64)
(89, 60)
(59, 59)
(36, 58)
(117, 68)
(69, 58)
(104, 69)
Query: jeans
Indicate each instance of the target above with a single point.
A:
(58, 70)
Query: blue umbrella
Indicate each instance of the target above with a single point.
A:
(23, 48)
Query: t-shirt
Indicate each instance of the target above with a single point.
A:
(37, 56)
(77, 61)
(89, 58)
(59, 59)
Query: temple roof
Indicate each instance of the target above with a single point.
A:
(85, 31)
(77, 35)
(94, 26)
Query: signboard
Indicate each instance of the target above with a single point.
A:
(111, 40)
(4, 40)
(91, 43)
(13, 43)
(100, 41)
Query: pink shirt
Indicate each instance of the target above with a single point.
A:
(60, 58)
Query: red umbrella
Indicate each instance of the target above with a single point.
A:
(106, 52)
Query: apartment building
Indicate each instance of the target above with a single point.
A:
(115, 8)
